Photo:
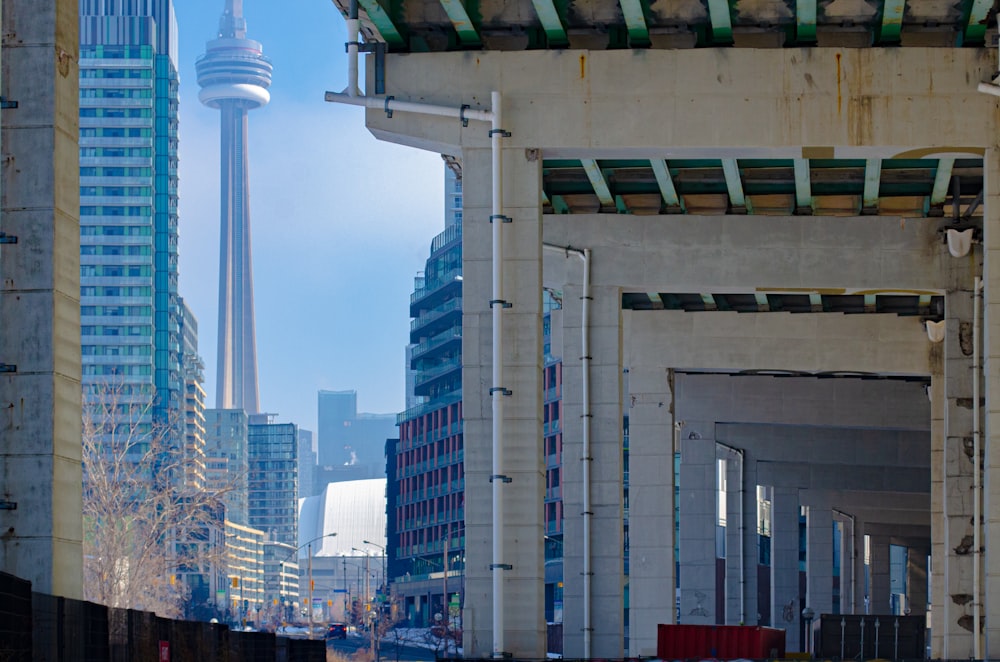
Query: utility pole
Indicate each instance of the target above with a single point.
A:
(310, 560)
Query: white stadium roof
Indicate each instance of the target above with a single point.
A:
(354, 510)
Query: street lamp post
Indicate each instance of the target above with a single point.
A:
(281, 566)
(385, 577)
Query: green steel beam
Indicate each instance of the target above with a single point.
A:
(709, 301)
(597, 180)
(545, 198)
(816, 302)
(975, 29)
(459, 17)
(638, 33)
(924, 301)
(892, 20)
(803, 186)
(805, 17)
(382, 22)
(722, 21)
(942, 180)
(667, 188)
(551, 23)
(762, 303)
(870, 303)
(733, 183)
(873, 173)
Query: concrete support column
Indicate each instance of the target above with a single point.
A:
(523, 526)
(40, 298)
(741, 588)
(607, 536)
(848, 578)
(991, 402)
(958, 503)
(939, 554)
(698, 522)
(819, 558)
(785, 608)
(652, 583)
(878, 569)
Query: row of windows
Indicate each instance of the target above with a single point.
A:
(116, 93)
(133, 370)
(116, 51)
(115, 152)
(131, 311)
(107, 291)
(116, 250)
(103, 330)
(117, 230)
(116, 190)
(116, 112)
(93, 171)
(97, 72)
(115, 132)
(113, 210)
(116, 350)
(116, 270)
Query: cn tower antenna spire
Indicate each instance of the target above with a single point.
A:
(232, 25)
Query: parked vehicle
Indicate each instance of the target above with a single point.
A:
(337, 631)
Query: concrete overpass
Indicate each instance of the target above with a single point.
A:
(763, 189)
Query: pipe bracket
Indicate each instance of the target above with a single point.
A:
(7, 239)
(461, 114)
(501, 302)
(501, 566)
(388, 111)
(503, 133)
(501, 478)
(500, 217)
(6, 103)
(501, 390)
(7, 367)
(8, 505)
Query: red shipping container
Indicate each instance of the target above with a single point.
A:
(723, 642)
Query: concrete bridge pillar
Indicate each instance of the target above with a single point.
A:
(523, 464)
(652, 583)
(819, 558)
(699, 519)
(785, 607)
(607, 541)
(741, 506)
(878, 572)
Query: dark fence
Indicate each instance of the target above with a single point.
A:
(39, 627)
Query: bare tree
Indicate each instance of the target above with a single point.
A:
(144, 522)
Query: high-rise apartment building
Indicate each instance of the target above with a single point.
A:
(272, 479)
(307, 464)
(192, 371)
(226, 459)
(234, 76)
(128, 199)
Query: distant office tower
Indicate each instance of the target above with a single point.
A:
(351, 446)
(307, 463)
(226, 459)
(128, 199)
(272, 479)
(234, 77)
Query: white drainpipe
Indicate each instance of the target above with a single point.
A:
(585, 360)
(353, 32)
(977, 484)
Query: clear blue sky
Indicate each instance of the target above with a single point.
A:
(341, 223)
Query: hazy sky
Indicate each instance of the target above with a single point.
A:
(341, 222)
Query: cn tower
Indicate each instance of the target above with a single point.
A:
(234, 76)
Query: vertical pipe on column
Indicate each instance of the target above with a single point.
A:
(587, 514)
(353, 30)
(740, 527)
(497, 391)
(977, 485)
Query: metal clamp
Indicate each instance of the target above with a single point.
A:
(7, 367)
(8, 505)
(501, 566)
(388, 111)
(501, 478)
(501, 390)
(503, 133)
(7, 239)
(461, 114)
(501, 302)
(500, 217)
(6, 103)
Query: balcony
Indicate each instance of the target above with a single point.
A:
(436, 320)
(429, 377)
(436, 292)
(449, 342)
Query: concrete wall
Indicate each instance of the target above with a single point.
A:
(40, 297)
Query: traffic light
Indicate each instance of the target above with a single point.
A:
(236, 582)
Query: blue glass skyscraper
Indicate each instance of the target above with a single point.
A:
(128, 198)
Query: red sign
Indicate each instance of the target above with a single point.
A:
(164, 651)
